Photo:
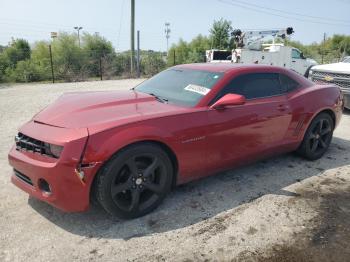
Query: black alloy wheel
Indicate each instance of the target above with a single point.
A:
(135, 181)
(318, 137)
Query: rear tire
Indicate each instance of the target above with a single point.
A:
(317, 138)
(135, 181)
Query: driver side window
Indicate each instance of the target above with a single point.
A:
(296, 54)
(253, 86)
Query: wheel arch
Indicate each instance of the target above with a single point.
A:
(167, 149)
(328, 111)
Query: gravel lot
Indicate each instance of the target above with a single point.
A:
(280, 209)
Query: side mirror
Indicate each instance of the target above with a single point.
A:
(302, 55)
(229, 100)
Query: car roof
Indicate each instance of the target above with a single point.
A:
(225, 67)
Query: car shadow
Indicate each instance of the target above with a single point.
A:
(199, 200)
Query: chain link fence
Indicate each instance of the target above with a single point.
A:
(80, 65)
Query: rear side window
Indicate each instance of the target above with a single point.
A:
(254, 86)
(288, 84)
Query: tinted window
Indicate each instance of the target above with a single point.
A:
(287, 84)
(222, 55)
(254, 86)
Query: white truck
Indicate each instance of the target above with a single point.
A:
(336, 73)
(276, 55)
(251, 50)
(218, 56)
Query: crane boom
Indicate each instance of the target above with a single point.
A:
(254, 39)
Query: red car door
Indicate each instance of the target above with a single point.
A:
(243, 133)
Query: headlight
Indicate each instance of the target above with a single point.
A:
(53, 150)
(310, 74)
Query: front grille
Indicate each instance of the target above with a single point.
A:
(30, 144)
(323, 74)
(24, 178)
(341, 80)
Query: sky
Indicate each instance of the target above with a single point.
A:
(35, 19)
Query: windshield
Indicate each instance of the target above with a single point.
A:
(346, 60)
(180, 86)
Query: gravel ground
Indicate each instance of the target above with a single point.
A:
(280, 209)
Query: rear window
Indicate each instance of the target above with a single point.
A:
(222, 55)
(288, 84)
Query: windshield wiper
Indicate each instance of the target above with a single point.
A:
(162, 100)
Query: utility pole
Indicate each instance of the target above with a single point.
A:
(132, 36)
(52, 74)
(78, 28)
(324, 46)
(167, 35)
(53, 36)
(138, 54)
(100, 67)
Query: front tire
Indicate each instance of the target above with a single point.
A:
(135, 181)
(317, 137)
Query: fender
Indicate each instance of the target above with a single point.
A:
(333, 103)
(105, 144)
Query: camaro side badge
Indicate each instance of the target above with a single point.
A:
(194, 139)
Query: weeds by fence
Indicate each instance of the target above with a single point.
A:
(63, 60)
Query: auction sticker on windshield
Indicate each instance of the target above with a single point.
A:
(197, 89)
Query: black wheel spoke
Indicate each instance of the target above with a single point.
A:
(151, 168)
(314, 145)
(322, 143)
(135, 200)
(131, 164)
(312, 136)
(153, 187)
(325, 131)
(320, 125)
(118, 188)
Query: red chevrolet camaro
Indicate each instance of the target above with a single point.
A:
(129, 148)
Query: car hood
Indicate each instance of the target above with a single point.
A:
(103, 109)
(335, 67)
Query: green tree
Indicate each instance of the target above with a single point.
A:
(220, 34)
(25, 71)
(18, 50)
(97, 48)
(70, 64)
(152, 63)
(121, 64)
(197, 48)
(192, 52)
(40, 58)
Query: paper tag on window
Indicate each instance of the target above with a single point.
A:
(197, 89)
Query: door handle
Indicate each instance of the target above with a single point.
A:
(293, 61)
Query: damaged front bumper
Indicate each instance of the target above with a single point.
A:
(63, 182)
